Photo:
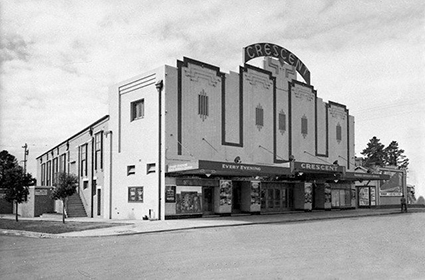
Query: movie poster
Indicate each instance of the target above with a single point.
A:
(308, 194)
(170, 194)
(328, 196)
(188, 203)
(225, 192)
(255, 192)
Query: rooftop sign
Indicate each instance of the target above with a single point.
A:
(268, 49)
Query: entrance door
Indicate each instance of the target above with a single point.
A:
(273, 197)
(236, 197)
(99, 202)
(208, 200)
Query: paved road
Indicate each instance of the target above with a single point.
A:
(379, 247)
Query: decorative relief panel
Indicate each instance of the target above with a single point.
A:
(254, 79)
(276, 65)
(195, 73)
(338, 112)
(279, 66)
(303, 93)
(290, 72)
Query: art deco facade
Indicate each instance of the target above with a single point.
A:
(191, 140)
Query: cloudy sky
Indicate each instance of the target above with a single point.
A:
(59, 57)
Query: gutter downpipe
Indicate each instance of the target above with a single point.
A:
(109, 133)
(93, 191)
(159, 85)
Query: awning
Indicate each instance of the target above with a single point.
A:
(206, 167)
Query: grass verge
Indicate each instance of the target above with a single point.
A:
(53, 227)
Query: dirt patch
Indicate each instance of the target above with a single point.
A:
(52, 227)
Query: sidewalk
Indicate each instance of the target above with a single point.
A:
(146, 227)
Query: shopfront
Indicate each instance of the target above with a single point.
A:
(203, 188)
(366, 187)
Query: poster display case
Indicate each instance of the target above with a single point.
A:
(255, 196)
(223, 205)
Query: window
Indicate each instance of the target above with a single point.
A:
(85, 184)
(83, 160)
(259, 116)
(137, 109)
(49, 173)
(98, 161)
(338, 133)
(93, 187)
(131, 169)
(304, 126)
(43, 174)
(203, 105)
(282, 122)
(150, 168)
(62, 163)
(135, 194)
(55, 170)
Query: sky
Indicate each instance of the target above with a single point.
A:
(58, 59)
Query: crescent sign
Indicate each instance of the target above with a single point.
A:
(268, 49)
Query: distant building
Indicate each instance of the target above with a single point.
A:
(192, 141)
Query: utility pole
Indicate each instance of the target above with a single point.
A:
(26, 152)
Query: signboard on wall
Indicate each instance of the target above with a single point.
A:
(170, 194)
(40, 192)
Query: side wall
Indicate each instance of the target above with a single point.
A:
(83, 155)
(135, 159)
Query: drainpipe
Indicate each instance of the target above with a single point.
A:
(159, 85)
(92, 173)
(109, 133)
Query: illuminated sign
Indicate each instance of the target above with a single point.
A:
(268, 49)
(317, 167)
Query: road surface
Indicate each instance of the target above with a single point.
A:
(378, 247)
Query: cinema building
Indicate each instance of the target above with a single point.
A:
(191, 141)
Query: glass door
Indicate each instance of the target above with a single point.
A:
(208, 200)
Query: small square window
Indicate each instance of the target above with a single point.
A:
(137, 109)
(150, 168)
(85, 184)
(131, 169)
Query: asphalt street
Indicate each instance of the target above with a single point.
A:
(374, 247)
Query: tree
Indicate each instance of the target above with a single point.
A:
(13, 180)
(374, 153)
(65, 187)
(394, 156)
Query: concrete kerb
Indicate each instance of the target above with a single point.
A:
(268, 219)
